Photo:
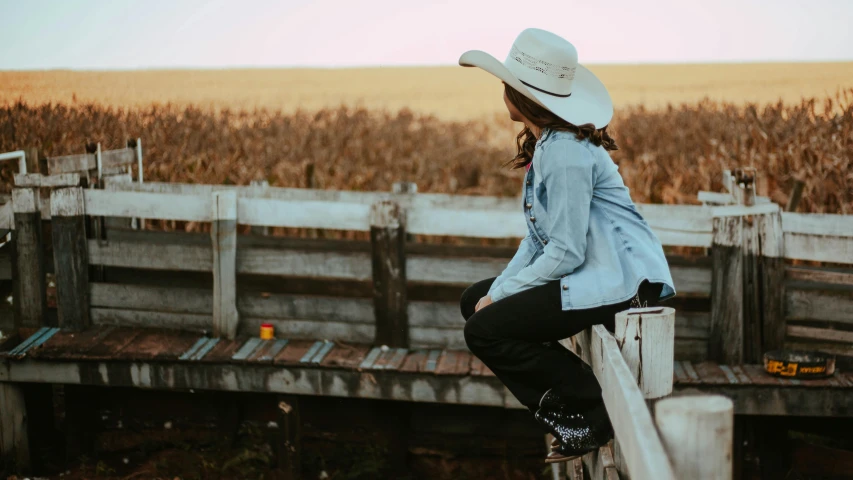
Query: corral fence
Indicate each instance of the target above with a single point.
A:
(741, 300)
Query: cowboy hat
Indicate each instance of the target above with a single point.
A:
(544, 68)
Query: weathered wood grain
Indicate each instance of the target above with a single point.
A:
(70, 257)
(223, 237)
(817, 278)
(827, 334)
(697, 432)
(28, 266)
(646, 342)
(388, 236)
(727, 316)
(817, 305)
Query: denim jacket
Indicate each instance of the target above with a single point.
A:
(583, 230)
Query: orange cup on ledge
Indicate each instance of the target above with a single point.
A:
(267, 331)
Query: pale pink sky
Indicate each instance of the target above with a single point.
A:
(218, 33)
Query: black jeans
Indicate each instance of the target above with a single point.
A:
(517, 338)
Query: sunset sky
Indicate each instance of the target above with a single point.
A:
(129, 34)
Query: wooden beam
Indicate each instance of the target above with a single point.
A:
(80, 163)
(637, 437)
(28, 266)
(697, 432)
(223, 235)
(388, 237)
(768, 257)
(819, 305)
(818, 276)
(34, 180)
(727, 316)
(842, 336)
(70, 257)
(14, 439)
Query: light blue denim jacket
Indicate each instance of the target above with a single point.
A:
(583, 230)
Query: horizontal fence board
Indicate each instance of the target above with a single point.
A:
(151, 256)
(308, 214)
(352, 266)
(466, 223)
(465, 271)
(117, 158)
(420, 200)
(692, 280)
(150, 319)
(817, 305)
(148, 205)
(818, 224)
(310, 329)
(820, 277)
(833, 348)
(427, 337)
(827, 334)
(818, 248)
(82, 162)
(305, 307)
(435, 314)
(145, 297)
(691, 350)
(692, 325)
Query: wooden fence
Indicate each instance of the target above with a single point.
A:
(741, 300)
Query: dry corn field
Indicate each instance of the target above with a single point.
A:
(667, 153)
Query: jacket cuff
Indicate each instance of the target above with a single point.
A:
(498, 293)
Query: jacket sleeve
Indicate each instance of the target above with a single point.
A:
(522, 257)
(568, 172)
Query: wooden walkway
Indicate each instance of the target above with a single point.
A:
(167, 359)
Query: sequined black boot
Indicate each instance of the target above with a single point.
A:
(577, 433)
(554, 402)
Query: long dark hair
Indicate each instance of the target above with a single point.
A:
(544, 119)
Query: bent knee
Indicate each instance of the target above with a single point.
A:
(468, 302)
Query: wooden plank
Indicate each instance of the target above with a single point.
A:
(7, 217)
(827, 347)
(415, 361)
(371, 358)
(818, 275)
(148, 319)
(157, 345)
(146, 297)
(108, 203)
(638, 440)
(223, 236)
(157, 257)
(729, 374)
(273, 351)
(692, 280)
(710, 373)
(680, 374)
(726, 339)
(311, 329)
(692, 325)
(70, 257)
(345, 356)
(388, 237)
(425, 337)
(265, 261)
(117, 158)
(758, 376)
(818, 248)
(46, 181)
(432, 361)
(820, 334)
(817, 305)
(691, 372)
(397, 360)
(697, 433)
(247, 349)
(770, 288)
(818, 224)
(466, 223)
(309, 214)
(14, 439)
(741, 375)
(430, 269)
(30, 301)
(79, 163)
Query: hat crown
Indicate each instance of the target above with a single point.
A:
(544, 61)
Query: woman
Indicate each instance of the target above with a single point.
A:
(588, 253)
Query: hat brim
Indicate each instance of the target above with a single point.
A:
(589, 102)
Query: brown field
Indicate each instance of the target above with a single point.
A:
(451, 93)
(443, 127)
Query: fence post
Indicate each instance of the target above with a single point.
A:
(70, 257)
(223, 235)
(725, 343)
(697, 434)
(770, 289)
(14, 440)
(388, 239)
(646, 339)
(260, 185)
(30, 302)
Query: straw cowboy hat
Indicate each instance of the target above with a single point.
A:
(544, 68)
